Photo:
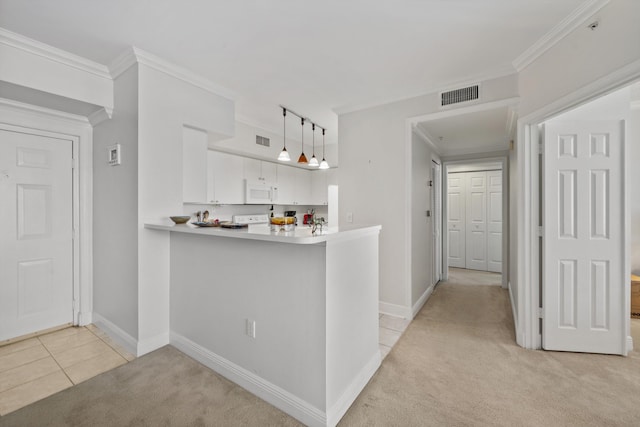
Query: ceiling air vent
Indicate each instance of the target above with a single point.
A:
(459, 95)
(263, 140)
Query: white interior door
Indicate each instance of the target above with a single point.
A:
(476, 220)
(456, 221)
(494, 221)
(583, 218)
(36, 253)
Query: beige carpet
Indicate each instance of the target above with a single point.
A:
(456, 365)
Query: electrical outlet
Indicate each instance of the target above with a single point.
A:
(251, 328)
(349, 216)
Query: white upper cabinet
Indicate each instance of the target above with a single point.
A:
(226, 178)
(286, 179)
(320, 182)
(194, 166)
(258, 170)
(302, 187)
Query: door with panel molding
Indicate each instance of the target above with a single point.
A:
(36, 250)
(494, 221)
(476, 212)
(456, 220)
(583, 247)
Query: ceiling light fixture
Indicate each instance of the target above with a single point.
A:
(302, 159)
(284, 154)
(323, 163)
(314, 161)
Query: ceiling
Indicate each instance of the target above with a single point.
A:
(480, 131)
(313, 57)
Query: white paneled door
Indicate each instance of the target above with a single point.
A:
(583, 219)
(36, 250)
(476, 220)
(456, 220)
(494, 221)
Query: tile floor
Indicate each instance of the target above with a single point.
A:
(38, 367)
(390, 329)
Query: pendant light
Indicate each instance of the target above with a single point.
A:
(284, 154)
(314, 161)
(302, 159)
(323, 163)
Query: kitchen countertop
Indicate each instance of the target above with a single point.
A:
(301, 235)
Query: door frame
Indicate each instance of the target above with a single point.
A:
(504, 161)
(527, 320)
(17, 116)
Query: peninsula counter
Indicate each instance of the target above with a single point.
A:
(290, 316)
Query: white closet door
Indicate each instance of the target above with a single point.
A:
(476, 220)
(494, 221)
(456, 221)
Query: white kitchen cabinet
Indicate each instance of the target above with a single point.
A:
(258, 170)
(319, 193)
(320, 182)
(286, 189)
(225, 178)
(194, 166)
(302, 187)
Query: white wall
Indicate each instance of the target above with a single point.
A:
(421, 226)
(115, 211)
(166, 104)
(582, 57)
(374, 181)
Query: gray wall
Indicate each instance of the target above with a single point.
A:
(115, 210)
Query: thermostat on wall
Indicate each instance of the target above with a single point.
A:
(114, 155)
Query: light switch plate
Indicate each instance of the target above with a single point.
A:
(113, 155)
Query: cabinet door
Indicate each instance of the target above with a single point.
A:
(302, 187)
(319, 194)
(269, 172)
(228, 179)
(286, 179)
(252, 169)
(194, 165)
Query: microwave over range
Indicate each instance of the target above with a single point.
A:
(260, 193)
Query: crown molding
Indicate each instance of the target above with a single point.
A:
(496, 73)
(51, 53)
(100, 116)
(135, 55)
(493, 150)
(42, 111)
(576, 19)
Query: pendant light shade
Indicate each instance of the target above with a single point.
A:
(323, 163)
(314, 161)
(302, 158)
(284, 154)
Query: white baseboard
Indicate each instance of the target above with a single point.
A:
(394, 310)
(278, 397)
(422, 301)
(115, 333)
(337, 411)
(148, 345)
(519, 336)
(629, 343)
